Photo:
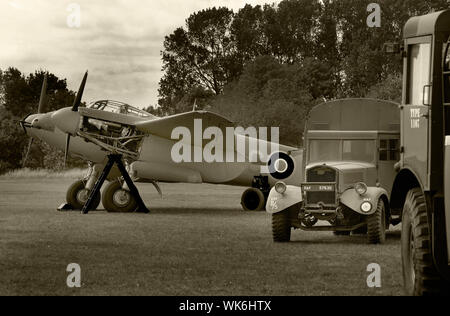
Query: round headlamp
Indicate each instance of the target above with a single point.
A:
(280, 187)
(366, 207)
(361, 188)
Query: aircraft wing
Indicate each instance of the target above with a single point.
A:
(163, 127)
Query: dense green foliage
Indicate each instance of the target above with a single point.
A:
(268, 65)
(19, 96)
(262, 66)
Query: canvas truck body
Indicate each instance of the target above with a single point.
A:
(351, 147)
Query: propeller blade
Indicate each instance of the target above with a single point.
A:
(66, 152)
(30, 143)
(77, 102)
(43, 97)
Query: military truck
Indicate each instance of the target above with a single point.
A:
(421, 187)
(351, 147)
(421, 190)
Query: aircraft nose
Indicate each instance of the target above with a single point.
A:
(27, 123)
(66, 120)
(43, 121)
(31, 118)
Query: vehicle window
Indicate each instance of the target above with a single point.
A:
(358, 150)
(355, 150)
(324, 150)
(419, 71)
(446, 82)
(389, 150)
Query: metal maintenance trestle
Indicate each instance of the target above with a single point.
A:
(115, 159)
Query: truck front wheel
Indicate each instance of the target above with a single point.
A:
(281, 226)
(376, 225)
(420, 276)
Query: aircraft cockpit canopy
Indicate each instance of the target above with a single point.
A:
(118, 107)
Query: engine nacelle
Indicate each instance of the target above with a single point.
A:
(253, 200)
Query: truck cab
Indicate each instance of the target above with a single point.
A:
(421, 191)
(351, 147)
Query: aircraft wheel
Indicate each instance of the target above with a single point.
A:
(77, 195)
(376, 225)
(281, 226)
(117, 200)
(420, 276)
(253, 200)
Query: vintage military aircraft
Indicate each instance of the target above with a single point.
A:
(145, 144)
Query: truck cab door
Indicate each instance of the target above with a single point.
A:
(446, 96)
(388, 156)
(416, 110)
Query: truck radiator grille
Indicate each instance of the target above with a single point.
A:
(321, 174)
(327, 198)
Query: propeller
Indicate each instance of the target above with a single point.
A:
(43, 97)
(75, 106)
(30, 143)
(77, 101)
(41, 107)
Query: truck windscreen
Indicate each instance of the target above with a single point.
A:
(446, 81)
(338, 150)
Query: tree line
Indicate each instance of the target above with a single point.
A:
(19, 96)
(268, 65)
(260, 66)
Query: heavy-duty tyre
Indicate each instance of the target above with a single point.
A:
(360, 231)
(117, 200)
(77, 195)
(420, 276)
(341, 233)
(376, 225)
(281, 227)
(253, 200)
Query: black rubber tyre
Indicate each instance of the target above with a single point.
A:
(77, 196)
(281, 227)
(420, 276)
(360, 231)
(117, 200)
(253, 200)
(376, 225)
(341, 233)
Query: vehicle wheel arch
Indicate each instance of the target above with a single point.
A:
(405, 181)
(387, 208)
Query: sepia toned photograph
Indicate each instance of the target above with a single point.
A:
(222, 156)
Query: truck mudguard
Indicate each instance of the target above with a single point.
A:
(277, 202)
(353, 200)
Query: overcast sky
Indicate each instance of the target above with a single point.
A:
(119, 42)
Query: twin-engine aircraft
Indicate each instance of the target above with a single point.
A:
(146, 144)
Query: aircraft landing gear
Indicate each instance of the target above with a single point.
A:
(78, 194)
(117, 199)
(126, 200)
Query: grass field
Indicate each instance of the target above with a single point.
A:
(196, 241)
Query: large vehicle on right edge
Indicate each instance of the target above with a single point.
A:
(421, 189)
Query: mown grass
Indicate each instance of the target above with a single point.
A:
(196, 241)
(44, 173)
